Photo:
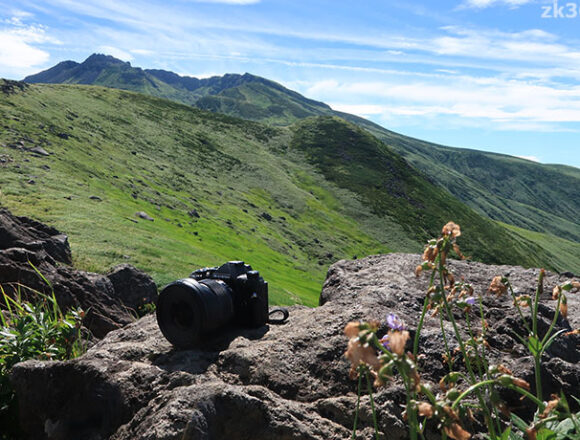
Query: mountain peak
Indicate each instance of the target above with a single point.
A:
(102, 59)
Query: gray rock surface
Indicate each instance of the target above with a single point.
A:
(28, 247)
(278, 382)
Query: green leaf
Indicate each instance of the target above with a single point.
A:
(519, 422)
(565, 426)
(534, 345)
(546, 434)
(506, 434)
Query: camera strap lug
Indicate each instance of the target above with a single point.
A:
(285, 314)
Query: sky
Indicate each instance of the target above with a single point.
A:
(494, 75)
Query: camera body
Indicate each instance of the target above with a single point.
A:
(210, 299)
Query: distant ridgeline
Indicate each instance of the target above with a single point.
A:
(302, 187)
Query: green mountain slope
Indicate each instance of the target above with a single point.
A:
(533, 196)
(536, 197)
(88, 159)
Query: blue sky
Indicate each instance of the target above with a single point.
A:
(495, 75)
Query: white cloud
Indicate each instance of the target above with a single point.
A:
(482, 4)
(497, 102)
(363, 110)
(18, 51)
(116, 52)
(532, 158)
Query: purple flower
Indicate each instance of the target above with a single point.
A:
(470, 301)
(385, 342)
(394, 322)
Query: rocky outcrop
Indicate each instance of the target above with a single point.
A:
(32, 254)
(277, 382)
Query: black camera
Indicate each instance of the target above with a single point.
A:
(211, 298)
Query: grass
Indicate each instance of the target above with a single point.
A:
(278, 198)
(167, 159)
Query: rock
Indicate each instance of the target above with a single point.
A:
(144, 216)
(132, 286)
(26, 233)
(9, 86)
(266, 216)
(28, 248)
(277, 382)
(40, 151)
(96, 198)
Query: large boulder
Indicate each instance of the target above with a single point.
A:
(285, 381)
(23, 232)
(35, 258)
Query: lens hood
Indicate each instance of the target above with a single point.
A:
(187, 310)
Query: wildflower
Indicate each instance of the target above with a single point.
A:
(452, 230)
(395, 341)
(564, 306)
(430, 253)
(456, 432)
(398, 340)
(470, 301)
(556, 292)
(523, 301)
(503, 369)
(352, 329)
(507, 380)
(521, 383)
(425, 409)
(497, 286)
(394, 322)
(359, 354)
(418, 270)
(551, 406)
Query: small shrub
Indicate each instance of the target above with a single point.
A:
(33, 330)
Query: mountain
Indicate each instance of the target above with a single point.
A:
(528, 197)
(246, 96)
(171, 188)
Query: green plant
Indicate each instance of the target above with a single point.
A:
(33, 330)
(472, 392)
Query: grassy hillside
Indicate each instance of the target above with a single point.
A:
(529, 195)
(113, 154)
(540, 198)
(351, 158)
(289, 201)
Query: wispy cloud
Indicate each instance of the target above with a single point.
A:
(116, 52)
(482, 4)
(505, 103)
(229, 2)
(18, 45)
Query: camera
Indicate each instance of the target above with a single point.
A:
(210, 299)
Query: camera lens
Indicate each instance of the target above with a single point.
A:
(188, 309)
